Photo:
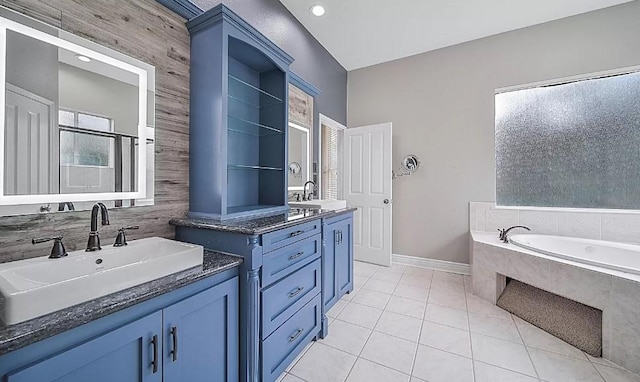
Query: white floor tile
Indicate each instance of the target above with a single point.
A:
(337, 308)
(380, 286)
(359, 281)
(388, 274)
(291, 378)
(414, 293)
(389, 351)
(367, 371)
(538, 338)
(489, 373)
(323, 363)
(612, 374)
(346, 337)
(448, 298)
(302, 353)
(419, 281)
(467, 284)
(505, 354)
(477, 305)
(400, 326)
(435, 365)
(602, 361)
(350, 296)
(414, 379)
(449, 278)
(359, 314)
(494, 327)
(446, 338)
(406, 306)
(554, 367)
(447, 316)
(419, 271)
(372, 298)
(364, 269)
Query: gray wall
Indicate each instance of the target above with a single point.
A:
(441, 106)
(312, 62)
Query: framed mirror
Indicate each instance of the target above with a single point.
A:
(78, 121)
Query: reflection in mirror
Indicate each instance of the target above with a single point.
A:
(75, 116)
(299, 142)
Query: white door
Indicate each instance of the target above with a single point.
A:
(367, 186)
(31, 141)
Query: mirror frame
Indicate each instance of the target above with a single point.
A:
(306, 131)
(145, 132)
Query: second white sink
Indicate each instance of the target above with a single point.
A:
(35, 287)
(323, 204)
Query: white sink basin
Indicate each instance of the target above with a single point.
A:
(323, 204)
(35, 287)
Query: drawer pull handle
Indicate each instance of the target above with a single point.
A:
(174, 337)
(296, 292)
(296, 335)
(154, 363)
(293, 257)
(292, 234)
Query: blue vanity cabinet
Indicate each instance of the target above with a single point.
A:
(201, 336)
(337, 266)
(238, 119)
(131, 353)
(190, 334)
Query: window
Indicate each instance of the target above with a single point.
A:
(81, 141)
(330, 145)
(573, 144)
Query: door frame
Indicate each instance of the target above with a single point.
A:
(324, 120)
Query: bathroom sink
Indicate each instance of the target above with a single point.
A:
(35, 287)
(323, 204)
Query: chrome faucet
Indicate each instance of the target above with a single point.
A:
(504, 232)
(94, 240)
(304, 190)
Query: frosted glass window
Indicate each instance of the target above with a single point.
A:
(573, 145)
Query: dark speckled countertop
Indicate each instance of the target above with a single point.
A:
(19, 335)
(261, 224)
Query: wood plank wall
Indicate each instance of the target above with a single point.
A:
(146, 30)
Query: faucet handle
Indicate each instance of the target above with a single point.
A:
(58, 249)
(121, 239)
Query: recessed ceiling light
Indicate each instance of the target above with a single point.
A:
(317, 10)
(83, 58)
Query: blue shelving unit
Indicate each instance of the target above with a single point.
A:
(238, 125)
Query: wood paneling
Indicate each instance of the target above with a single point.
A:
(146, 30)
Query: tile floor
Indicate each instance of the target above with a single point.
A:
(412, 324)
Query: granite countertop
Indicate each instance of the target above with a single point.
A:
(15, 336)
(261, 224)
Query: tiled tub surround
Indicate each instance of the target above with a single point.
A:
(617, 294)
(601, 225)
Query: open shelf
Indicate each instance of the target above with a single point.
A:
(245, 167)
(240, 125)
(250, 95)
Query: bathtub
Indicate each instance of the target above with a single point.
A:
(605, 254)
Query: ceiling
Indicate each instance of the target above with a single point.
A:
(361, 33)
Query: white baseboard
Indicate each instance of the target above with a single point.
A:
(438, 265)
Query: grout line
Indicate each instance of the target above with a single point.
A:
(473, 364)
(525, 346)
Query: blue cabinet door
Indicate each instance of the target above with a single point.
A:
(344, 257)
(329, 286)
(132, 353)
(201, 336)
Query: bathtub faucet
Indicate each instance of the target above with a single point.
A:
(504, 232)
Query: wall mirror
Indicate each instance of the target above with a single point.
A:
(299, 147)
(78, 121)
(300, 138)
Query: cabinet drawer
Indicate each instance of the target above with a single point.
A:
(278, 264)
(284, 345)
(281, 300)
(280, 238)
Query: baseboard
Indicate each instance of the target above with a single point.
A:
(438, 265)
